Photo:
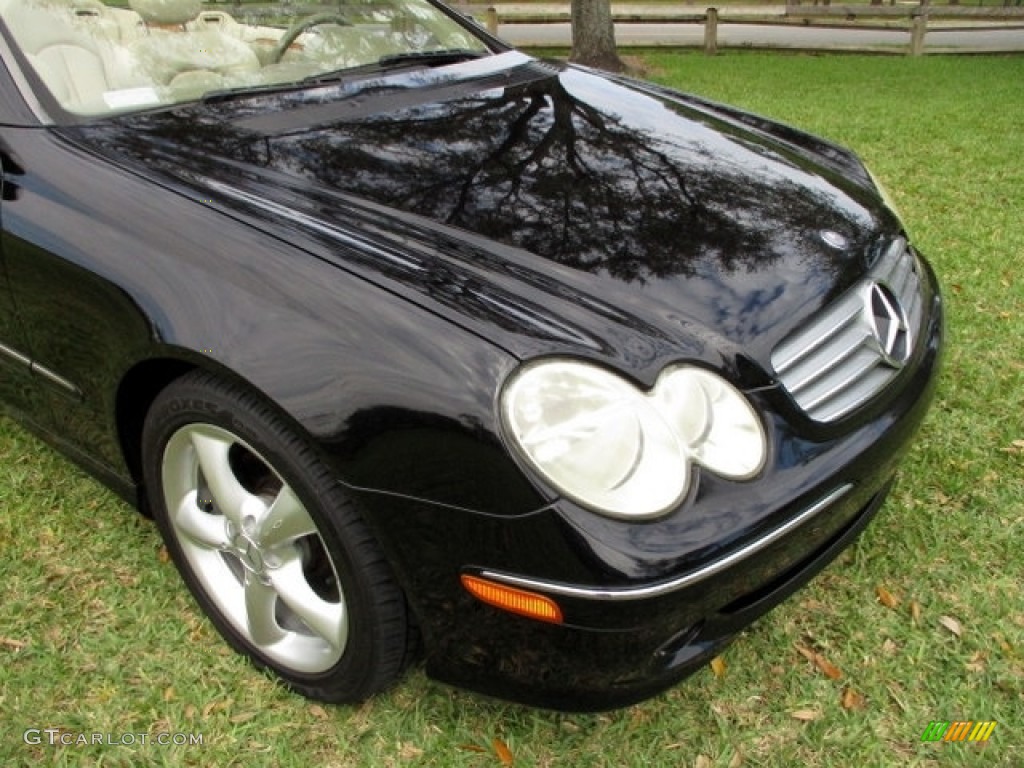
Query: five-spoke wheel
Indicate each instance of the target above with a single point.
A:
(269, 543)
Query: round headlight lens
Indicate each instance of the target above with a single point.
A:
(624, 452)
(729, 441)
(594, 436)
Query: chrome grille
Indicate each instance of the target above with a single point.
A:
(850, 351)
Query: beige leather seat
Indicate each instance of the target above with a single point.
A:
(92, 17)
(219, 20)
(188, 59)
(68, 60)
(117, 25)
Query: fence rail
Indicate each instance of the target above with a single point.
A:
(913, 19)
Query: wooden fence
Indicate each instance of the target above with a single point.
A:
(913, 19)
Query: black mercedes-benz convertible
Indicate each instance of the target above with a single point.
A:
(414, 344)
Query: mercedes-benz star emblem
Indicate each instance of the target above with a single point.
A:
(890, 328)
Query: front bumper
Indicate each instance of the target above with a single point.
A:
(641, 608)
(663, 634)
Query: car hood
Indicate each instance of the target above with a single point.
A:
(553, 209)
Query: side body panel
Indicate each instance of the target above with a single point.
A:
(100, 290)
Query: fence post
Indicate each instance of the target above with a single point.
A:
(711, 32)
(918, 26)
(491, 20)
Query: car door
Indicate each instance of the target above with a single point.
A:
(16, 383)
(19, 386)
(66, 329)
(63, 326)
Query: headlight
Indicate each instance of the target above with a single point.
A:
(623, 452)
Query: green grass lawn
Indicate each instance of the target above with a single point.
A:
(97, 634)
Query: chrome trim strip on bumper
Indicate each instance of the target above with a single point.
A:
(667, 587)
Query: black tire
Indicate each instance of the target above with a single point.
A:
(270, 544)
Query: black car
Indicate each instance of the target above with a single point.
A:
(413, 343)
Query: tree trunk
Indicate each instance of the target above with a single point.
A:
(593, 35)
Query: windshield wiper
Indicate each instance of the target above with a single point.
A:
(437, 58)
(226, 94)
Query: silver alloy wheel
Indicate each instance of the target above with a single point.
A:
(253, 546)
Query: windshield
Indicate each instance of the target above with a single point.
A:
(99, 58)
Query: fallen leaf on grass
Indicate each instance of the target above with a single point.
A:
(851, 699)
(163, 555)
(832, 672)
(58, 572)
(640, 716)
(242, 717)
(702, 761)
(10, 642)
(977, 662)
(217, 706)
(472, 748)
(915, 611)
(828, 668)
(886, 598)
(319, 712)
(952, 625)
(897, 696)
(718, 666)
(805, 715)
(737, 760)
(503, 752)
(408, 751)
(1017, 446)
(169, 693)
(1004, 644)
(806, 652)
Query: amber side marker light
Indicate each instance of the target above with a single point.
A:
(513, 600)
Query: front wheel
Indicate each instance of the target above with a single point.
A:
(270, 544)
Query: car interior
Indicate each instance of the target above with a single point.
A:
(97, 59)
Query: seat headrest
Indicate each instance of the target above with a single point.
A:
(36, 29)
(166, 11)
